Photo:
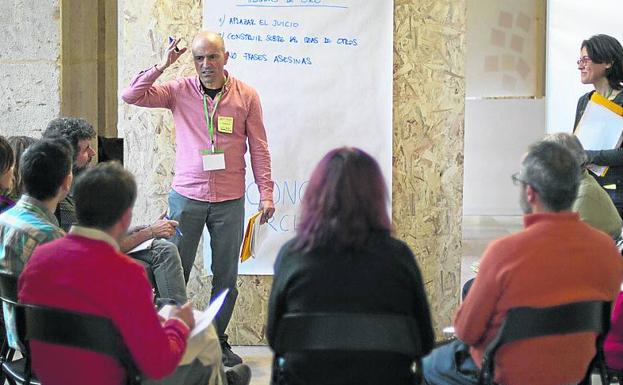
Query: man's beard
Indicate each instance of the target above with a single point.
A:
(78, 170)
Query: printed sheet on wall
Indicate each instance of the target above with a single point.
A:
(323, 70)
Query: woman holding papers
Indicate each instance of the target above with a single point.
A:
(344, 260)
(601, 64)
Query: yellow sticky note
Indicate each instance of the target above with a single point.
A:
(225, 124)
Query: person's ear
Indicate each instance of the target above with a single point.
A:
(531, 194)
(67, 182)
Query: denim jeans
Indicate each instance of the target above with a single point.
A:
(225, 222)
(450, 364)
(163, 262)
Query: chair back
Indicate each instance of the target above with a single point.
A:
(79, 330)
(299, 332)
(8, 287)
(529, 322)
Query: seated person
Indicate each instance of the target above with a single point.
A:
(19, 144)
(7, 164)
(47, 177)
(556, 259)
(86, 272)
(345, 259)
(46, 173)
(592, 203)
(613, 345)
(161, 258)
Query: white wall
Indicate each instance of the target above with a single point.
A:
(29, 66)
(497, 133)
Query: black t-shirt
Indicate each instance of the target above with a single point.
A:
(212, 93)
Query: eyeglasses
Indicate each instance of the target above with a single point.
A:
(584, 60)
(517, 180)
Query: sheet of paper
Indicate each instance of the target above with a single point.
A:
(143, 246)
(204, 319)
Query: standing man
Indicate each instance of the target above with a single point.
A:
(215, 115)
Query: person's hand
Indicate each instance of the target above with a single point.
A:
(185, 314)
(171, 55)
(163, 228)
(268, 209)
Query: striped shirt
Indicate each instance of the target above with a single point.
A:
(22, 228)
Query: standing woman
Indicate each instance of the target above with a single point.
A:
(345, 260)
(601, 64)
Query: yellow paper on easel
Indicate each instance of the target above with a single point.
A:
(245, 250)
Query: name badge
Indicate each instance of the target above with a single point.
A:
(213, 162)
(225, 124)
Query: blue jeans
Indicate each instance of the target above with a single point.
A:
(225, 222)
(450, 364)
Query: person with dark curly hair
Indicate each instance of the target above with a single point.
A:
(601, 65)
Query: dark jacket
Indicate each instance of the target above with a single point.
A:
(382, 279)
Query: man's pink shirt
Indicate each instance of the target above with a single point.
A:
(184, 97)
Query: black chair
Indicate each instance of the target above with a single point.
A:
(14, 371)
(79, 330)
(63, 327)
(527, 322)
(299, 332)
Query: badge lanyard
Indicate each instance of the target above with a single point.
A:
(210, 117)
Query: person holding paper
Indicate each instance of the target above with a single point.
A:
(87, 273)
(601, 65)
(161, 258)
(344, 259)
(215, 115)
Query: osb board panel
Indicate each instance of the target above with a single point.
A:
(428, 142)
(429, 92)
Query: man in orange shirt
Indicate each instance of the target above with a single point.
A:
(556, 259)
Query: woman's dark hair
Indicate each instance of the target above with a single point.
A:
(7, 158)
(344, 204)
(606, 49)
(19, 144)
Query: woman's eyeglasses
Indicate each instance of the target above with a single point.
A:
(584, 60)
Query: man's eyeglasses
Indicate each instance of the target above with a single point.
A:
(517, 180)
(584, 60)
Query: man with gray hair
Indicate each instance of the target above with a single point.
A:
(556, 259)
(592, 202)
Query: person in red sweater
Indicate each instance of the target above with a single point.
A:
(86, 272)
(556, 259)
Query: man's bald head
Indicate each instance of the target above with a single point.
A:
(208, 38)
(210, 57)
